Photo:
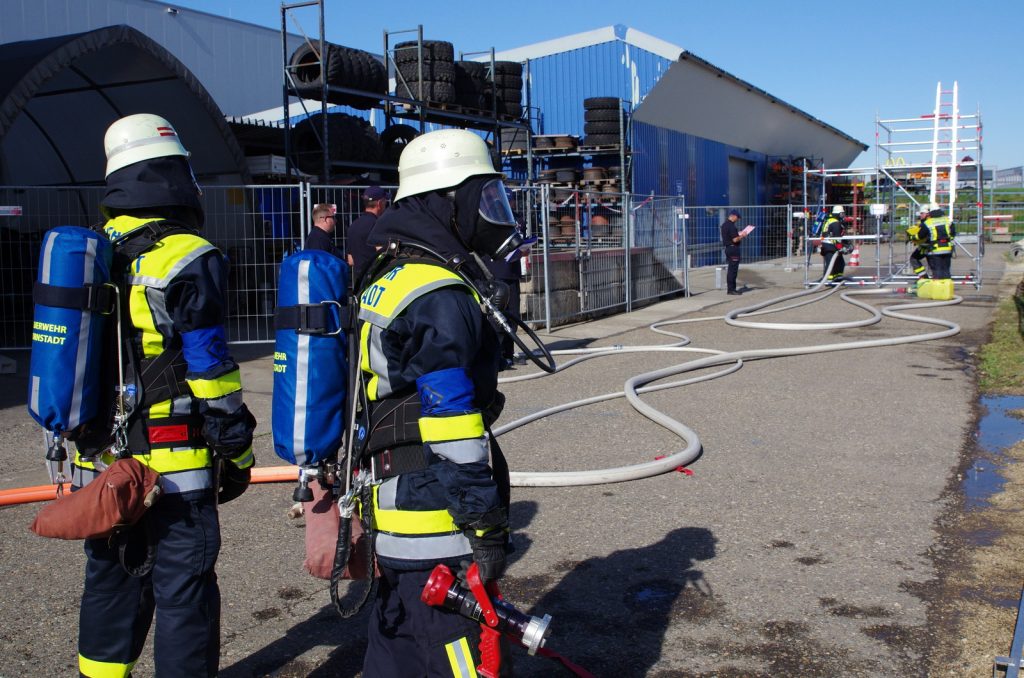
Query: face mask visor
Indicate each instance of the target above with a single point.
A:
(494, 206)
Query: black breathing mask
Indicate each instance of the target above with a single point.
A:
(484, 218)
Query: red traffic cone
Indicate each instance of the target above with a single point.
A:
(855, 257)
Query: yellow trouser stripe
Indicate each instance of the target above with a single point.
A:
(216, 388)
(461, 659)
(398, 521)
(459, 427)
(95, 669)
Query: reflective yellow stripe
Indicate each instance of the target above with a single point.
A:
(144, 322)
(397, 521)
(169, 461)
(389, 295)
(459, 427)
(461, 659)
(160, 409)
(364, 363)
(96, 669)
(216, 388)
(244, 460)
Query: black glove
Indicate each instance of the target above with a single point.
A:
(228, 434)
(234, 482)
(489, 551)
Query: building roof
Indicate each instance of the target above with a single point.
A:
(587, 38)
(695, 97)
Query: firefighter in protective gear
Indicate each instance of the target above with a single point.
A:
(430, 359)
(187, 416)
(936, 233)
(831, 232)
(914, 236)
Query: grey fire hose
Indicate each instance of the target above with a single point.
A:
(637, 385)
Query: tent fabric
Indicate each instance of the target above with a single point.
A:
(58, 95)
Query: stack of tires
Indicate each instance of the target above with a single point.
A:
(506, 88)
(514, 139)
(436, 83)
(344, 67)
(349, 139)
(471, 84)
(602, 121)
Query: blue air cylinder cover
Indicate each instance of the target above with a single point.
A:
(310, 362)
(68, 324)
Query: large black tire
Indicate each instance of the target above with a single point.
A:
(601, 102)
(602, 128)
(350, 139)
(432, 49)
(511, 96)
(345, 67)
(602, 115)
(505, 81)
(513, 68)
(600, 140)
(472, 69)
(394, 140)
(439, 92)
(510, 109)
(433, 69)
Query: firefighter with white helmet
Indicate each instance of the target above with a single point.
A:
(187, 414)
(831, 244)
(932, 237)
(430, 360)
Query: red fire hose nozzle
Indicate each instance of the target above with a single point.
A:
(484, 604)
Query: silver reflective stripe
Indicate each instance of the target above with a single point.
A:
(186, 481)
(386, 494)
(158, 307)
(153, 281)
(34, 395)
(47, 257)
(458, 650)
(301, 374)
(245, 460)
(449, 163)
(422, 548)
(461, 451)
(227, 404)
(82, 353)
(379, 363)
(145, 141)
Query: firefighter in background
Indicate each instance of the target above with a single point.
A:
(191, 415)
(831, 232)
(914, 236)
(430, 360)
(936, 236)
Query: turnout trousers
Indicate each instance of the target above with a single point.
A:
(117, 609)
(411, 639)
(941, 265)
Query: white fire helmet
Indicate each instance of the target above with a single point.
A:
(838, 209)
(442, 159)
(139, 137)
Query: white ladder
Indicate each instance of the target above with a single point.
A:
(945, 126)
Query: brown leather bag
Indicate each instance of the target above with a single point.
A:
(114, 501)
(322, 523)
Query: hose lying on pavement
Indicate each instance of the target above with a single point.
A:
(634, 386)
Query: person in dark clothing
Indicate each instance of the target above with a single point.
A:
(359, 252)
(430, 356)
(731, 238)
(831, 244)
(321, 236)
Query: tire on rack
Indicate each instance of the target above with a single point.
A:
(513, 68)
(600, 140)
(439, 50)
(602, 128)
(437, 92)
(511, 96)
(345, 67)
(394, 139)
(349, 139)
(601, 102)
(510, 109)
(505, 81)
(432, 70)
(602, 115)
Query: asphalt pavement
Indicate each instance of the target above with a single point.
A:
(802, 544)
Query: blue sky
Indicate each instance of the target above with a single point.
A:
(842, 62)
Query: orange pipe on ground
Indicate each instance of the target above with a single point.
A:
(27, 495)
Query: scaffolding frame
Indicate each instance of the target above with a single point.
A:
(938, 134)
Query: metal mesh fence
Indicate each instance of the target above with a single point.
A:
(596, 252)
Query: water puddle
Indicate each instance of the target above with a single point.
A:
(997, 431)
